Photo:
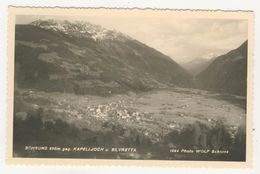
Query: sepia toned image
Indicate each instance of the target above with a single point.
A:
(110, 85)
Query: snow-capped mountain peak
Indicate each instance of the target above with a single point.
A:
(80, 29)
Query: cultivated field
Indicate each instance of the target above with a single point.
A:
(153, 122)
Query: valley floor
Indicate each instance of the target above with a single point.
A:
(153, 122)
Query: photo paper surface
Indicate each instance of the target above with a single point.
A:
(129, 87)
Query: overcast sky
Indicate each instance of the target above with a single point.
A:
(181, 39)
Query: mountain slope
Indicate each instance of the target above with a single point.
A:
(197, 65)
(227, 73)
(85, 58)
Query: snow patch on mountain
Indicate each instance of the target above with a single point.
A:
(80, 29)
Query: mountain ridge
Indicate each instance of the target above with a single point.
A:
(195, 66)
(80, 29)
(227, 73)
(56, 60)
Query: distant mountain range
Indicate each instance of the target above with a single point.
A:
(83, 58)
(227, 73)
(195, 66)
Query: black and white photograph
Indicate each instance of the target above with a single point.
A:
(130, 87)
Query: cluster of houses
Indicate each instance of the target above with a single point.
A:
(120, 110)
(117, 111)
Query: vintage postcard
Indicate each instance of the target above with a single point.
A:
(130, 87)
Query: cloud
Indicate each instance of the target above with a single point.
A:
(184, 40)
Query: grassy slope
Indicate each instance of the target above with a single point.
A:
(227, 73)
(131, 65)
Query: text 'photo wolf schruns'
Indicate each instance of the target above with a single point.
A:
(130, 88)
